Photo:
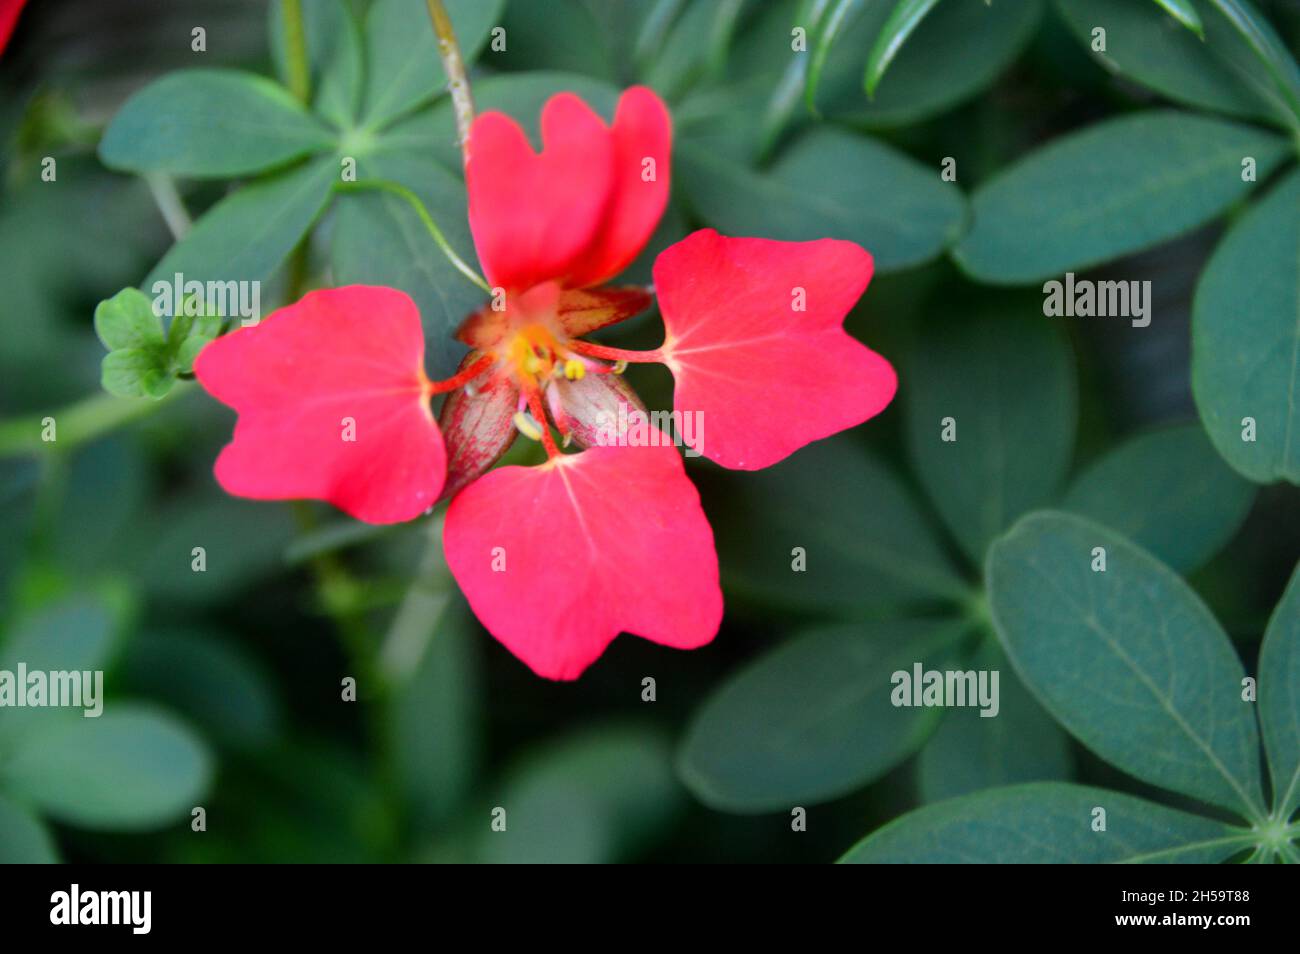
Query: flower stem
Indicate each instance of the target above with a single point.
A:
(454, 66)
(77, 423)
(416, 619)
(413, 200)
(296, 51)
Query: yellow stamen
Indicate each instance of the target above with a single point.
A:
(574, 370)
(527, 426)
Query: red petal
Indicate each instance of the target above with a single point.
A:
(584, 310)
(642, 131)
(478, 428)
(764, 378)
(354, 352)
(533, 215)
(606, 541)
(9, 10)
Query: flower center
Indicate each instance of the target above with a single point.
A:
(536, 355)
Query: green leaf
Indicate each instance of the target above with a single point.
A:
(970, 752)
(1279, 699)
(1004, 386)
(1269, 49)
(334, 51)
(907, 16)
(242, 542)
(1184, 13)
(20, 480)
(557, 35)
(1047, 823)
(131, 769)
(109, 484)
(211, 124)
(865, 544)
(518, 95)
(402, 53)
(829, 27)
(1245, 338)
(248, 235)
(1168, 492)
(127, 320)
(957, 50)
(1142, 44)
(74, 634)
(694, 39)
(208, 679)
(655, 25)
(827, 185)
(136, 372)
(1129, 660)
(23, 839)
(596, 796)
(1117, 187)
(779, 110)
(813, 719)
(77, 634)
(185, 339)
(380, 240)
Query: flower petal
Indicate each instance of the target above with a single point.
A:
(557, 560)
(584, 310)
(642, 136)
(332, 405)
(9, 10)
(533, 214)
(477, 426)
(764, 377)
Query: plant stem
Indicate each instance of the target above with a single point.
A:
(168, 200)
(454, 66)
(296, 51)
(79, 422)
(414, 622)
(413, 200)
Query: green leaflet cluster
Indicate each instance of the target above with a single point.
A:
(370, 118)
(144, 359)
(1132, 663)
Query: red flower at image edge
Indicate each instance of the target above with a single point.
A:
(557, 560)
(9, 10)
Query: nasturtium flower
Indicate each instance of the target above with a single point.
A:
(604, 537)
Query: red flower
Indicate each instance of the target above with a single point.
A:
(557, 560)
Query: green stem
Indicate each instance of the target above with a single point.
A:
(412, 626)
(77, 423)
(413, 200)
(339, 594)
(454, 66)
(163, 189)
(296, 51)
